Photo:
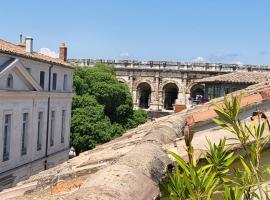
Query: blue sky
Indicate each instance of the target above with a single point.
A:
(228, 31)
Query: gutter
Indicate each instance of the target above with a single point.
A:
(48, 117)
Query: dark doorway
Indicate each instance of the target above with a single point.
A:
(144, 95)
(197, 94)
(170, 93)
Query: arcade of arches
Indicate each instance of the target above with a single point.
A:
(162, 97)
(145, 97)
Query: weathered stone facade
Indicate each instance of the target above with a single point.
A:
(155, 85)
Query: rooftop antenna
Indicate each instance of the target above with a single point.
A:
(21, 38)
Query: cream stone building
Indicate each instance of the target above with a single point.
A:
(35, 110)
(159, 85)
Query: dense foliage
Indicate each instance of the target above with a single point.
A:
(102, 108)
(216, 177)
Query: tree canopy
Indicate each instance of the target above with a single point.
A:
(102, 108)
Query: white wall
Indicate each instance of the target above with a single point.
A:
(32, 104)
(21, 98)
(60, 78)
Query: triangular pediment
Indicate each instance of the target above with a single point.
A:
(22, 79)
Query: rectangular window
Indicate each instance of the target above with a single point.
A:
(42, 79)
(54, 83)
(216, 91)
(40, 130)
(65, 83)
(210, 92)
(52, 128)
(25, 133)
(6, 142)
(63, 126)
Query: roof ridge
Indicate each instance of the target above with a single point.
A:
(9, 42)
(11, 48)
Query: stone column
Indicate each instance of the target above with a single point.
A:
(132, 89)
(155, 93)
(187, 101)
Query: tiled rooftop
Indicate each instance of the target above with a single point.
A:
(136, 159)
(237, 77)
(17, 50)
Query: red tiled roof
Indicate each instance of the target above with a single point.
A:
(259, 93)
(237, 77)
(9, 48)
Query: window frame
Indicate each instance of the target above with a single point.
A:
(63, 125)
(10, 80)
(40, 127)
(25, 133)
(42, 77)
(52, 126)
(54, 81)
(65, 82)
(6, 147)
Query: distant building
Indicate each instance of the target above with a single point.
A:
(158, 85)
(35, 110)
(217, 86)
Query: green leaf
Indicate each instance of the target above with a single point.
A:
(179, 161)
(246, 168)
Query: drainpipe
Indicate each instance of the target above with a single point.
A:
(48, 118)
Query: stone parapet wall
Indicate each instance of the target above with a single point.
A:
(170, 65)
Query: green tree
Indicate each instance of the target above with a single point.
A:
(102, 107)
(100, 82)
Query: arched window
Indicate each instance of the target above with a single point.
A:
(10, 81)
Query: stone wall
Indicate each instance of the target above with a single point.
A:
(155, 85)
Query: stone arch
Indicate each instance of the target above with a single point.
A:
(170, 94)
(196, 95)
(196, 89)
(143, 91)
(138, 82)
(189, 86)
(179, 85)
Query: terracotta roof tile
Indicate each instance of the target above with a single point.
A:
(247, 100)
(237, 77)
(9, 48)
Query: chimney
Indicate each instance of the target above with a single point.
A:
(29, 45)
(63, 52)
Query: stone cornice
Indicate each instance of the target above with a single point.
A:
(161, 65)
(35, 94)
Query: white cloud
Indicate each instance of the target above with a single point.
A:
(199, 59)
(237, 62)
(124, 55)
(48, 52)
